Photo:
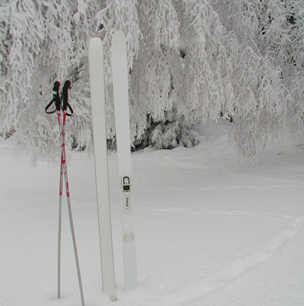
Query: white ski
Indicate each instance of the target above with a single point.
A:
(96, 70)
(121, 104)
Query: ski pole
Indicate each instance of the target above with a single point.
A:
(58, 106)
(57, 101)
(65, 105)
(63, 173)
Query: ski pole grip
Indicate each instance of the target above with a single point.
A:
(65, 97)
(56, 99)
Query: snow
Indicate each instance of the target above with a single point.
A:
(209, 230)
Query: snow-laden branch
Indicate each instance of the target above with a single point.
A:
(189, 62)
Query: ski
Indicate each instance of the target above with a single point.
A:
(96, 72)
(121, 105)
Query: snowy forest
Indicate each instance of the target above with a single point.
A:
(190, 62)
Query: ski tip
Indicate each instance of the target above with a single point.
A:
(119, 33)
(95, 41)
(119, 36)
(118, 44)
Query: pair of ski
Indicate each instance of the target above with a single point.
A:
(61, 105)
(121, 104)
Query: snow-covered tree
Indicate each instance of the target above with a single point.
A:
(43, 41)
(190, 61)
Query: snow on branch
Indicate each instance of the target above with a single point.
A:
(189, 62)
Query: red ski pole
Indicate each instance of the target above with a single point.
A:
(64, 173)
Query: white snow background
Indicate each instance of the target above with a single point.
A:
(209, 230)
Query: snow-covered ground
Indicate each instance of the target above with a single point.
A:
(209, 230)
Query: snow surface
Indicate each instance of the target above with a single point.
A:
(209, 230)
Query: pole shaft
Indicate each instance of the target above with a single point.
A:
(59, 214)
(64, 173)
